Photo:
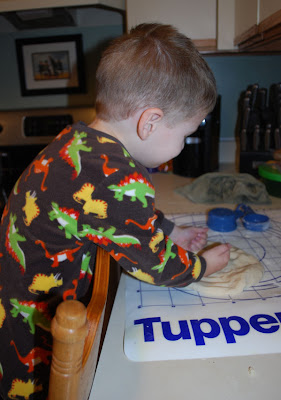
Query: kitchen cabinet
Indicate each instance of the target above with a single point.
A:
(196, 19)
(209, 23)
(258, 25)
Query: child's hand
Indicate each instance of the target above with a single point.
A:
(191, 238)
(216, 258)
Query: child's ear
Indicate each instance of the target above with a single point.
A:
(148, 122)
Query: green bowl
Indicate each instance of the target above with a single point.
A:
(271, 177)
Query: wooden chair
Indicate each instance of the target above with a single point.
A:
(76, 334)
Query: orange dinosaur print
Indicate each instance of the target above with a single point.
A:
(71, 292)
(34, 357)
(5, 211)
(63, 132)
(61, 256)
(98, 207)
(1, 287)
(147, 226)
(106, 170)
(30, 208)
(118, 256)
(183, 255)
(40, 166)
(16, 189)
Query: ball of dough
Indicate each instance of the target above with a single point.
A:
(242, 271)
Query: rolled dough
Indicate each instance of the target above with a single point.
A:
(242, 271)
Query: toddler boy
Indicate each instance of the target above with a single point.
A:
(90, 187)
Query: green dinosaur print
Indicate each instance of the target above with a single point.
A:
(134, 186)
(70, 152)
(164, 256)
(102, 236)
(85, 266)
(67, 218)
(11, 242)
(35, 313)
(126, 154)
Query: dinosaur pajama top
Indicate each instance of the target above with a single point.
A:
(83, 190)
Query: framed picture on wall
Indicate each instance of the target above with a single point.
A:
(51, 65)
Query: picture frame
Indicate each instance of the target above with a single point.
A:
(51, 65)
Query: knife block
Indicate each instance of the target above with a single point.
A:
(250, 160)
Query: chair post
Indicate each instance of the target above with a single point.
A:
(69, 329)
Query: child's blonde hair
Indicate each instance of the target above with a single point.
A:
(153, 66)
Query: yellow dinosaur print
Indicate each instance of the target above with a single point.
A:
(24, 389)
(196, 268)
(98, 207)
(156, 239)
(44, 283)
(143, 276)
(2, 314)
(103, 139)
(30, 208)
(16, 187)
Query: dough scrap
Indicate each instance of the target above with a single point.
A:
(242, 271)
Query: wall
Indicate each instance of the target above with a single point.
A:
(233, 74)
(93, 39)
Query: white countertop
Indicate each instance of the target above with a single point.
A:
(169, 202)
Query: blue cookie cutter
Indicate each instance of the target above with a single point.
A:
(253, 221)
(224, 220)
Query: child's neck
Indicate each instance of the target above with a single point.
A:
(124, 131)
(103, 126)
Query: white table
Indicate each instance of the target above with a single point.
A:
(243, 378)
(233, 378)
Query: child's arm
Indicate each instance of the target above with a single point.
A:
(216, 258)
(189, 238)
(137, 235)
(195, 239)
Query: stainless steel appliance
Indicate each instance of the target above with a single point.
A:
(24, 133)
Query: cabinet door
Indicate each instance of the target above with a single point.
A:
(225, 24)
(246, 13)
(257, 25)
(196, 19)
(16, 5)
(267, 8)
